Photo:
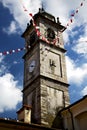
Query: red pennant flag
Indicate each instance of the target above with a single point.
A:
(16, 50)
(34, 24)
(25, 8)
(77, 11)
(67, 24)
(43, 38)
(54, 42)
(47, 41)
(81, 4)
(38, 33)
(4, 53)
(71, 20)
(58, 40)
(31, 14)
(72, 14)
(21, 49)
(10, 51)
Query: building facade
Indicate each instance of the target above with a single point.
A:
(45, 89)
(75, 115)
(6, 124)
(45, 81)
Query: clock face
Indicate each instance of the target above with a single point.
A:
(32, 66)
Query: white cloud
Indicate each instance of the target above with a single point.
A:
(2, 69)
(63, 8)
(81, 44)
(66, 37)
(15, 62)
(59, 8)
(21, 18)
(10, 94)
(10, 91)
(84, 91)
(76, 74)
(11, 29)
(81, 48)
(1, 58)
(2, 66)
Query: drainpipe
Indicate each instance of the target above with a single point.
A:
(72, 119)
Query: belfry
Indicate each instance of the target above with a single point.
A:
(45, 81)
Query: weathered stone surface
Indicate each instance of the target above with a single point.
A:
(46, 88)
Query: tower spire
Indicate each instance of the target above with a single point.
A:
(43, 6)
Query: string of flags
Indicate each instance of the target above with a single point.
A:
(74, 13)
(38, 32)
(12, 51)
(37, 28)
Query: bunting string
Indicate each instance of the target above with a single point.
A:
(12, 51)
(71, 20)
(37, 28)
(31, 15)
(38, 32)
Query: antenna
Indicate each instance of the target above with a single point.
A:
(43, 6)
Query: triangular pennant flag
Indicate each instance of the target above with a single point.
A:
(81, 4)
(72, 14)
(31, 14)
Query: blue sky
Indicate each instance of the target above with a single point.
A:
(13, 21)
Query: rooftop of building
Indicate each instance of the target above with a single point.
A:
(75, 103)
(12, 124)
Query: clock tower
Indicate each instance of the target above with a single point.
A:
(45, 81)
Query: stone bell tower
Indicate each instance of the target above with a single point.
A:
(45, 81)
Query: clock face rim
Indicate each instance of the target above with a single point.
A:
(32, 65)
